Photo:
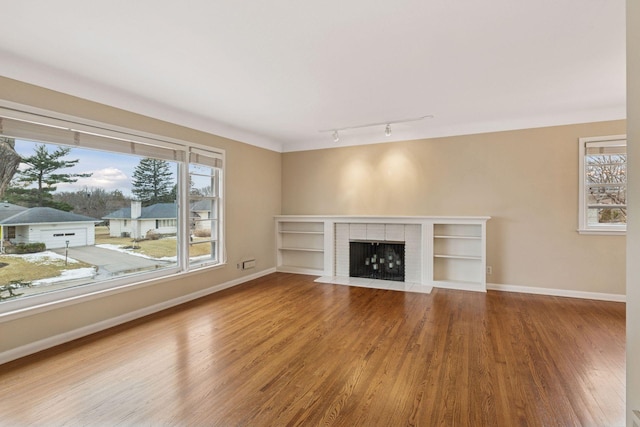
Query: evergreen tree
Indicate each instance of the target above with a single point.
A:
(42, 172)
(152, 182)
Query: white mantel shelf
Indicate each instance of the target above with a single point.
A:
(440, 251)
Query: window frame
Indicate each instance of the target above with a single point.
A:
(215, 214)
(21, 307)
(583, 224)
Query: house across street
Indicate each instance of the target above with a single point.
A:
(50, 226)
(137, 221)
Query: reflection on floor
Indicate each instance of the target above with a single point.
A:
(376, 284)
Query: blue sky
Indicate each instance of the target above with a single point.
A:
(109, 171)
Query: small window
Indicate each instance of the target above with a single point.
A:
(603, 185)
(205, 177)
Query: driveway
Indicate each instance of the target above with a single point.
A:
(111, 263)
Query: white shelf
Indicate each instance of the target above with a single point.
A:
(479, 258)
(302, 249)
(459, 255)
(460, 285)
(461, 282)
(301, 232)
(300, 246)
(300, 270)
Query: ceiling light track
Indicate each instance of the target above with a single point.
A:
(335, 132)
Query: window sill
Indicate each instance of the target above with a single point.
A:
(15, 309)
(603, 232)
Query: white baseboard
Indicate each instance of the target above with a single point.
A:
(55, 340)
(557, 292)
(459, 286)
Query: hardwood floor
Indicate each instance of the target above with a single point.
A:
(284, 351)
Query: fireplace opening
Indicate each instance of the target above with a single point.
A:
(377, 260)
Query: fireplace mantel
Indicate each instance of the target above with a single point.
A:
(441, 251)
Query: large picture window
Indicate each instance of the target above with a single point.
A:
(603, 185)
(86, 208)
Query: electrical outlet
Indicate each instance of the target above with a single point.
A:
(489, 270)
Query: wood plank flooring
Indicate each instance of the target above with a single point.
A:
(285, 351)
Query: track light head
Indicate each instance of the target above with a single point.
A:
(387, 126)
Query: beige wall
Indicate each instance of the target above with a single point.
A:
(633, 234)
(527, 181)
(252, 199)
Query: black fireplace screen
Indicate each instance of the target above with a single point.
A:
(377, 260)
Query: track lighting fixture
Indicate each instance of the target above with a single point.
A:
(387, 126)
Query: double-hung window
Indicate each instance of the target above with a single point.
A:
(603, 185)
(107, 193)
(205, 187)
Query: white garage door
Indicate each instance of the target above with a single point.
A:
(57, 238)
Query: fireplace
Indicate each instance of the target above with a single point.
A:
(407, 235)
(377, 260)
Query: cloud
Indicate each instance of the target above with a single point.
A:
(108, 179)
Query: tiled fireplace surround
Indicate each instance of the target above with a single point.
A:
(409, 234)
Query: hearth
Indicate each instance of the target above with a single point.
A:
(377, 260)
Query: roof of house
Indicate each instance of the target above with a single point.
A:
(8, 210)
(157, 211)
(42, 215)
(201, 205)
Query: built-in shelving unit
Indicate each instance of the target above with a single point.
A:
(300, 246)
(447, 252)
(459, 255)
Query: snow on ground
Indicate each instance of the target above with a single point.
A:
(46, 257)
(134, 253)
(78, 273)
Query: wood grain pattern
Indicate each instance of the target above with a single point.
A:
(285, 351)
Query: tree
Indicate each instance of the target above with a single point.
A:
(93, 202)
(152, 182)
(42, 172)
(606, 179)
(9, 164)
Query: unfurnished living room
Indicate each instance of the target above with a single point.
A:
(320, 213)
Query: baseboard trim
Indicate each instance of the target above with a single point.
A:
(557, 292)
(43, 344)
(459, 286)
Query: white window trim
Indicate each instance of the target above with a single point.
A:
(583, 227)
(10, 310)
(196, 157)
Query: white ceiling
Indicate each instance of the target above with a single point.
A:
(273, 73)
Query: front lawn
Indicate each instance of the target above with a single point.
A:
(161, 248)
(32, 267)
